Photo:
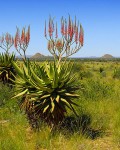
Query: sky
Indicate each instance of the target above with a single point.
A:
(99, 18)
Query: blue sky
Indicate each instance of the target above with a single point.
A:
(99, 18)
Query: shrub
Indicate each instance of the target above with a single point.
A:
(116, 73)
(95, 89)
(5, 94)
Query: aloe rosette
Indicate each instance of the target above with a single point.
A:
(6, 67)
(47, 91)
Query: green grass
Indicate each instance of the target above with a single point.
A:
(99, 117)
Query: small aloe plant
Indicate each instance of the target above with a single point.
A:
(6, 59)
(6, 68)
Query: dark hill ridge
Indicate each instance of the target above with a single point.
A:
(37, 56)
(107, 56)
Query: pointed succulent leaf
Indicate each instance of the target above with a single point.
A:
(20, 94)
(45, 109)
(50, 71)
(58, 98)
(65, 102)
(52, 106)
(18, 70)
(44, 96)
(71, 95)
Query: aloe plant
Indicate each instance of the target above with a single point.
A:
(6, 67)
(46, 91)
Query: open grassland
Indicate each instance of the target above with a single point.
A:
(98, 125)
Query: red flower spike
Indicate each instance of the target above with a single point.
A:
(29, 33)
(62, 28)
(81, 36)
(75, 25)
(71, 32)
(26, 40)
(28, 36)
(17, 39)
(65, 29)
(45, 30)
(22, 36)
(15, 42)
(51, 27)
(56, 32)
(69, 26)
(76, 35)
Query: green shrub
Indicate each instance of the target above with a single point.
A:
(95, 89)
(101, 69)
(5, 94)
(116, 73)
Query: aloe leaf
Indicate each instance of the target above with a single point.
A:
(58, 98)
(44, 96)
(39, 81)
(18, 70)
(64, 100)
(66, 103)
(71, 95)
(50, 71)
(45, 109)
(52, 106)
(20, 94)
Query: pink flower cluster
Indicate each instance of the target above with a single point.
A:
(22, 39)
(69, 30)
(7, 39)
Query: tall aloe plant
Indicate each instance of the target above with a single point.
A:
(48, 91)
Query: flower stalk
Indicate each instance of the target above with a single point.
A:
(70, 41)
(6, 42)
(21, 42)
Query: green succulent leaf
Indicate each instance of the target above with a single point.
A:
(45, 96)
(58, 98)
(52, 106)
(45, 109)
(21, 94)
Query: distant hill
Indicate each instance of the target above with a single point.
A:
(107, 56)
(37, 56)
